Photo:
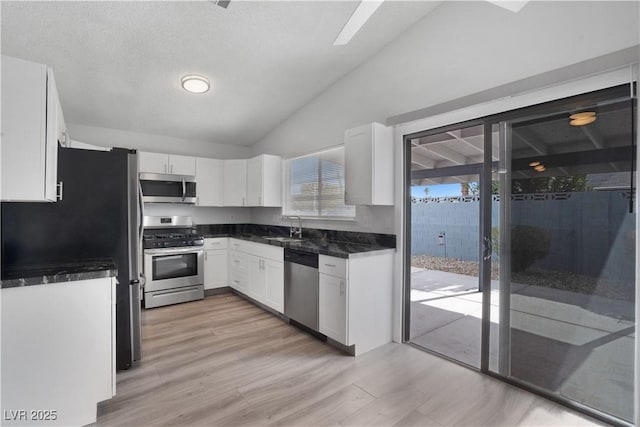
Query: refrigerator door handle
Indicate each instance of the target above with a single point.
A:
(143, 279)
(184, 189)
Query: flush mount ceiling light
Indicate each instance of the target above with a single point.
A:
(540, 168)
(363, 12)
(534, 164)
(581, 119)
(194, 83)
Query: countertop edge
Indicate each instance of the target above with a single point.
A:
(99, 273)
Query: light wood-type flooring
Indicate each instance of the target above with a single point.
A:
(225, 362)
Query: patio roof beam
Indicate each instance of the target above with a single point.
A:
(457, 135)
(423, 161)
(449, 154)
(597, 142)
(537, 146)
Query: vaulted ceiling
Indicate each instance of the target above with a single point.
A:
(118, 64)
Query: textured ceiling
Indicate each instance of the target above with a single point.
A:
(118, 64)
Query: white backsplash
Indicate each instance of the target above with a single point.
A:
(371, 219)
(201, 215)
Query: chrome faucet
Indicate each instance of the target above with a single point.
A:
(293, 231)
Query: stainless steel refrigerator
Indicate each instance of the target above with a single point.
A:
(99, 216)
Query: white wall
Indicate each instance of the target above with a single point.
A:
(458, 49)
(107, 137)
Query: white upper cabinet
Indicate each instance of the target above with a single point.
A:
(209, 182)
(369, 165)
(235, 182)
(153, 162)
(166, 163)
(30, 129)
(182, 165)
(264, 181)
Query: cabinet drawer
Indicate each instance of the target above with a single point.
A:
(238, 262)
(215, 243)
(261, 250)
(239, 280)
(237, 245)
(331, 265)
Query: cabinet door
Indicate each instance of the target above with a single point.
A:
(215, 269)
(332, 308)
(51, 143)
(24, 130)
(274, 296)
(257, 279)
(254, 182)
(358, 159)
(153, 162)
(182, 165)
(208, 182)
(271, 181)
(235, 182)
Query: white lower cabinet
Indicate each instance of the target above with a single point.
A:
(257, 279)
(216, 263)
(215, 269)
(332, 308)
(58, 351)
(257, 270)
(355, 300)
(274, 296)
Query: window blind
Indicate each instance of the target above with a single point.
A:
(315, 186)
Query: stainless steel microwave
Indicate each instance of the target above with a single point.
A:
(164, 188)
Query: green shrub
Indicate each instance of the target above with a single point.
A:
(528, 244)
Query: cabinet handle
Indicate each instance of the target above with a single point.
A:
(236, 261)
(205, 255)
(341, 287)
(171, 168)
(259, 200)
(60, 187)
(198, 200)
(236, 281)
(330, 265)
(243, 201)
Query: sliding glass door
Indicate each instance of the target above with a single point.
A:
(521, 254)
(446, 288)
(565, 240)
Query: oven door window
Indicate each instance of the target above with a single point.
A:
(174, 266)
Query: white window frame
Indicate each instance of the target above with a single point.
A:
(286, 210)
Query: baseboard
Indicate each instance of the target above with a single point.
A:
(217, 291)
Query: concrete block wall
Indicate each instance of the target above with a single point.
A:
(592, 233)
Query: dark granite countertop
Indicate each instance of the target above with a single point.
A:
(28, 275)
(340, 244)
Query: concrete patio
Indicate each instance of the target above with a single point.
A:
(575, 345)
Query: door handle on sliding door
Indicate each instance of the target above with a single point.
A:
(487, 248)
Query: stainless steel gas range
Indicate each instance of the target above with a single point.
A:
(173, 261)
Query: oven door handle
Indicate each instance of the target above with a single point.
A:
(184, 190)
(171, 251)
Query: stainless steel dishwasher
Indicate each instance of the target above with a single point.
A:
(301, 287)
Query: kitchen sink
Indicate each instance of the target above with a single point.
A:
(282, 239)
